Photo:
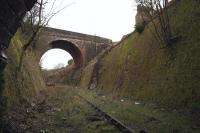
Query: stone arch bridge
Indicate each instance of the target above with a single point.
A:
(82, 47)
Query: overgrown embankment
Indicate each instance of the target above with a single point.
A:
(68, 75)
(21, 85)
(141, 68)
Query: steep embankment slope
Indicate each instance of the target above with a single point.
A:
(68, 75)
(29, 81)
(142, 69)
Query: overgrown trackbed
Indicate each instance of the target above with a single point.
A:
(65, 109)
(57, 110)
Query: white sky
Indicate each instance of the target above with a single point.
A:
(106, 18)
(53, 57)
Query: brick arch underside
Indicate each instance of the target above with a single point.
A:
(71, 49)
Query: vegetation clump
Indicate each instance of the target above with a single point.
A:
(70, 62)
(156, 12)
(139, 27)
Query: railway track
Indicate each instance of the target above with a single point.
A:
(119, 125)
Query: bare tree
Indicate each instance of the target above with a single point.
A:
(34, 21)
(156, 11)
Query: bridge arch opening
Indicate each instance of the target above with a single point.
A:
(55, 59)
(71, 48)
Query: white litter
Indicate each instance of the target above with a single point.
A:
(137, 103)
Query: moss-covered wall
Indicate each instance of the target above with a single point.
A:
(29, 80)
(87, 74)
(142, 69)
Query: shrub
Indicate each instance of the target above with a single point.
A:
(139, 27)
(70, 62)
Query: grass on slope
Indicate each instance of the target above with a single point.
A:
(140, 69)
(29, 80)
(139, 116)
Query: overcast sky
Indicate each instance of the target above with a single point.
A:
(106, 18)
(54, 57)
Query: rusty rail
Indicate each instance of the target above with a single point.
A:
(123, 128)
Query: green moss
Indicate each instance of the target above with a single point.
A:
(139, 27)
(148, 117)
(87, 74)
(29, 80)
(142, 69)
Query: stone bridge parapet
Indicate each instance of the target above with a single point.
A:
(85, 46)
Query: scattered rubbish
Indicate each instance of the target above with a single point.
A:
(57, 109)
(122, 100)
(43, 131)
(50, 84)
(137, 103)
(32, 104)
(28, 110)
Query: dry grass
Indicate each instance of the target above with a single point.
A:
(29, 79)
(142, 69)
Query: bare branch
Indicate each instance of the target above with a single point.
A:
(36, 20)
(156, 10)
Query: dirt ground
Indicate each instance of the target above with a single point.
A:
(56, 110)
